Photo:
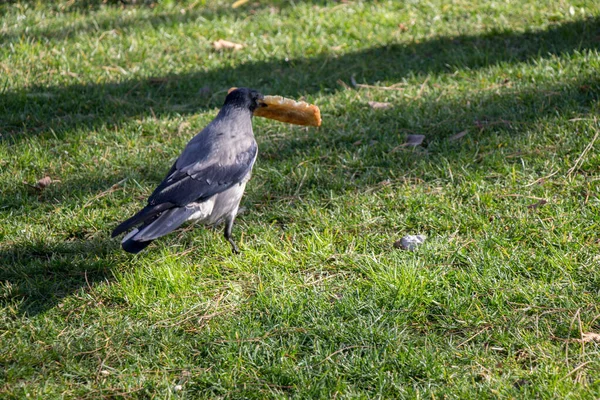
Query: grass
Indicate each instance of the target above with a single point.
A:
(102, 96)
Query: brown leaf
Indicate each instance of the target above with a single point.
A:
(538, 204)
(376, 105)
(226, 44)
(43, 183)
(589, 337)
(402, 27)
(458, 135)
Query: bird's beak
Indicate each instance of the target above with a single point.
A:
(287, 110)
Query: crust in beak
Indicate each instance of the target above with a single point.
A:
(287, 110)
(290, 111)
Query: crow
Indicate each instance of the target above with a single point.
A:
(207, 181)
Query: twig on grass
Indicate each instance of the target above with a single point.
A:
(473, 337)
(576, 369)
(577, 164)
(263, 337)
(542, 178)
(110, 190)
(422, 88)
(521, 195)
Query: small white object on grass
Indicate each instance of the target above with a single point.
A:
(410, 242)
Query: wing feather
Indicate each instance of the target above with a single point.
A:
(203, 180)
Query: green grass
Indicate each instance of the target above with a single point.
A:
(102, 98)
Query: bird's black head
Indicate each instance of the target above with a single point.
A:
(244, 98)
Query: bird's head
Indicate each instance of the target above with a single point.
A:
(244, 98)
(272, 107)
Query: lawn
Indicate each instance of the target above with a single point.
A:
(501, 301)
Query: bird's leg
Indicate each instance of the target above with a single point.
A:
(228, 236)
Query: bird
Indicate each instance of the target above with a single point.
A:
(207, 181)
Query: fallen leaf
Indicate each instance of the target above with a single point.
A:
(402, 27)
(414, 140)
(538, 204)
(43, 183)
(458, 135)
(376, 105)
(226, 44)
(589, 337)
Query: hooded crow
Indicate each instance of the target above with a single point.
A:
(207, 181)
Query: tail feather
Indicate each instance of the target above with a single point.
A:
(142, 216)
(155, 227)
(133, 246)
(167, 222)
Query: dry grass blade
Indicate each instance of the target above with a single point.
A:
(222, 44)
(376, 105)
(579, 160)
(458, 135)
(239, 3)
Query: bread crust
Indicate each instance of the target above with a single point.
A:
(290, 111)
(287, 110)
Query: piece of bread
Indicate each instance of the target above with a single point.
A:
(287, 110)
(290, 111)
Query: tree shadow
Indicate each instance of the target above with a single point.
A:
(56, 110)
(124, 21)
(36, 277)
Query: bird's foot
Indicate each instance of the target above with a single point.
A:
(234, 248)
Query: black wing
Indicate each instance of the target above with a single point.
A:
(199, 183)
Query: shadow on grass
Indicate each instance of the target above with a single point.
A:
(482, 114)
(124, 21)
(37, 276)
(56, 110)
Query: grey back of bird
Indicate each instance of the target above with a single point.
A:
(205, 184)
